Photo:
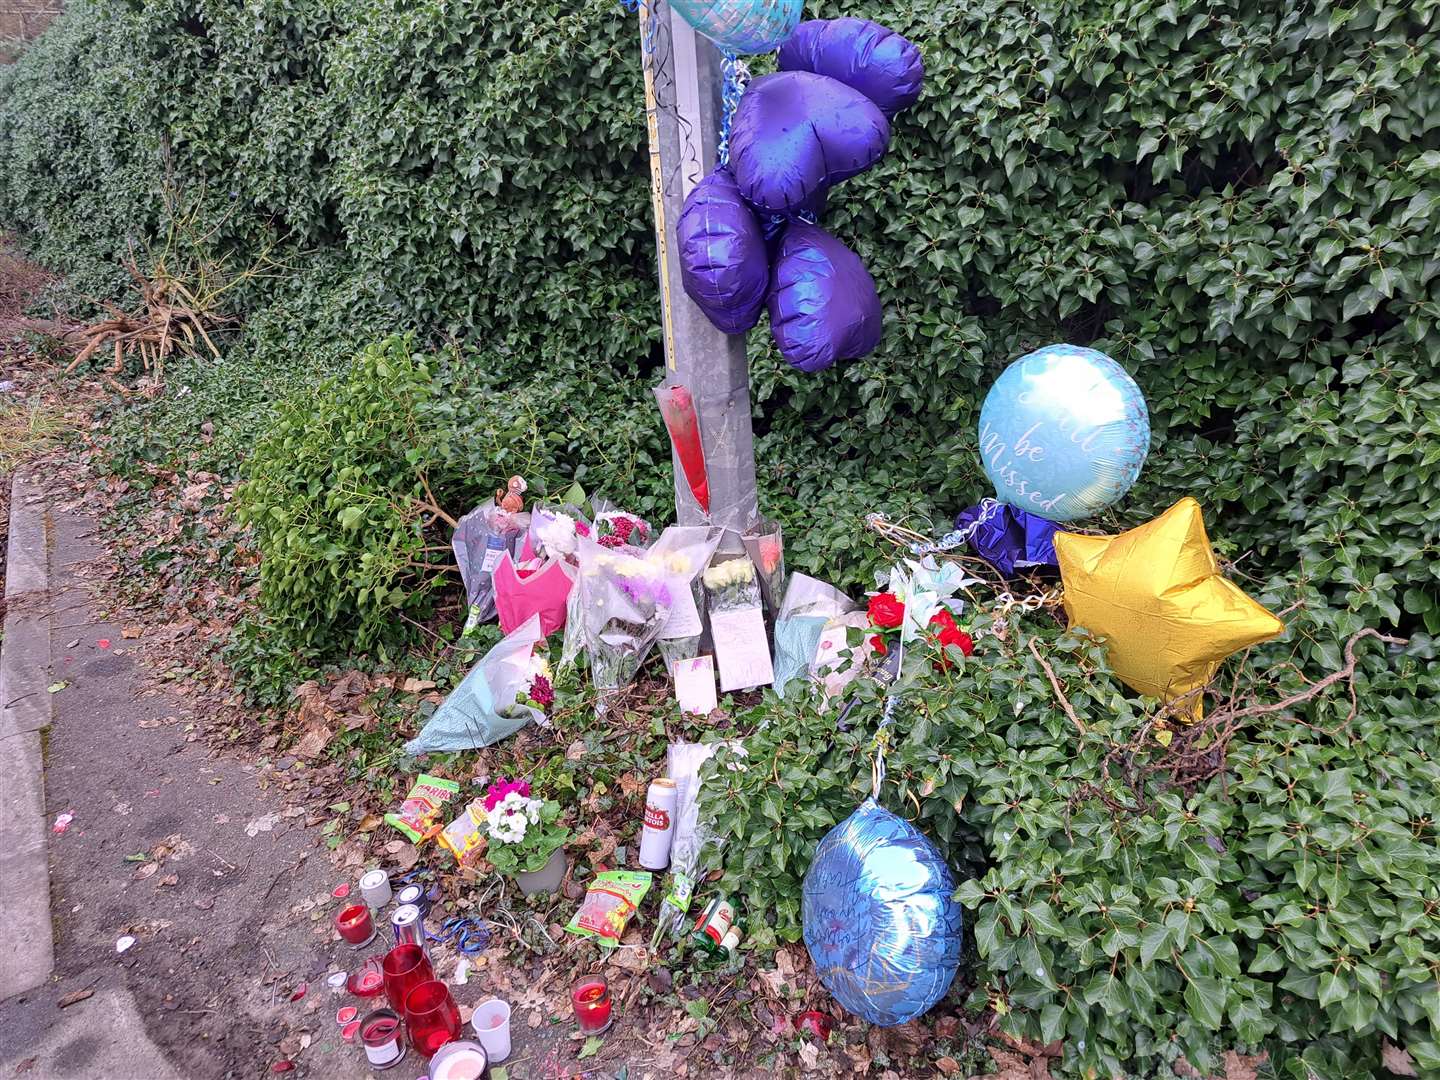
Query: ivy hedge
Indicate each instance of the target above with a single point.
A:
(1237, 201)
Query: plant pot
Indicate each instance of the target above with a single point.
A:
(547, 878)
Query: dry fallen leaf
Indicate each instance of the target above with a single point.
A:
(417, 686)
(131, 632)
(80, 995)
(1394, 1058)
(145, 871)
(169, 879)
(369, 823)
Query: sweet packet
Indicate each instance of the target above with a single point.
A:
(463, 835)
(609, 902)
(418, 817)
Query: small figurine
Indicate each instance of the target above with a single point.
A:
(510, 500)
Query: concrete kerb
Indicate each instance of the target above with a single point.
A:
(26, 709)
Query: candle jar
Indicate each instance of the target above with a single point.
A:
(355, 925)
(380, 1034)
(461, 1060)
(432, 1017)
(405, 967)
(591, 998)
(367, 980)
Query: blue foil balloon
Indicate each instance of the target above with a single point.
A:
(1063, 432)
(880, 924)
(881, 64)
(797, 134)
(724, 260)
(823, 304)
(1008, 538)
(742, 26)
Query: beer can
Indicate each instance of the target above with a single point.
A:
(411, 894)
(409, 925)
(659, 829)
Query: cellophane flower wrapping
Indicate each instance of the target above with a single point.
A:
(765, 544)
(481, 537)
(808, 607)
(625, 601)
(603, 527)
(555, 531)
(681, 553)
(731, 585)
(677, 407)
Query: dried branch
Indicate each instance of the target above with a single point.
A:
(1059, 691)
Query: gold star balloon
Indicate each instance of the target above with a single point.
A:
(1157, 597)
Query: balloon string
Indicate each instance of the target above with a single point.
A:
(887, 717)
(951, 540)
(735, 75)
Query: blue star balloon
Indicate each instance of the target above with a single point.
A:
(1063, 432)
(880, 924)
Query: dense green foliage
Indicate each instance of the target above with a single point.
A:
(1240, 202)
(1290, 903)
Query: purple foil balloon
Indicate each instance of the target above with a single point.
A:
(797, 133)
(881, 64)
(1007, 537)
(724, 263)
(823, 304)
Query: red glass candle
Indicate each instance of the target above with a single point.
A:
(432, 1017)
(368, 980)
(591, 998)
(355, 925)
(405, 967)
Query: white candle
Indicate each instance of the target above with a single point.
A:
(459, 1062)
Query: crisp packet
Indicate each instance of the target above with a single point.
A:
(463, 835)
(609, 902)
(418, 817)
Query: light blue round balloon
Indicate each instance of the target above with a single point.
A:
(743, 26)
(880, 921)
(1063, 432)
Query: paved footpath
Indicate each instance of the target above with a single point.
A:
(224, 922)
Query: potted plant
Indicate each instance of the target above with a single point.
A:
(526, 840)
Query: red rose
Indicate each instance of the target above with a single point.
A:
(886, 611)
(949, 634)
(878, 644)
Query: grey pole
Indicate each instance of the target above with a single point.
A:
(682, 109)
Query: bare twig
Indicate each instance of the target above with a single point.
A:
(1059, 691)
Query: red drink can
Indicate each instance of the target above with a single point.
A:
(659, 829)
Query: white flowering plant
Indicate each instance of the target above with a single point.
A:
(523, 831)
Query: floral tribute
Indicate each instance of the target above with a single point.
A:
(887, 612)
(523, 831)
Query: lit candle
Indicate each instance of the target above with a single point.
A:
(591, 998)
(355, 924)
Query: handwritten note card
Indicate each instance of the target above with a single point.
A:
(695, 685)
(742, 649)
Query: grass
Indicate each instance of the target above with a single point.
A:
(26, 428)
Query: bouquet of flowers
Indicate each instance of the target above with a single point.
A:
(680, 553)
(765, 544)
(523, 832)
(481, 538)
(616, 528)
(554, 534)
(624, 602)
(732, 586)
(809, 606)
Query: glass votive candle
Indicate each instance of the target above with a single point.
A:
(432, 1017)
(355, 925)
(591, 999)
(367, 980)
(405, 967)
